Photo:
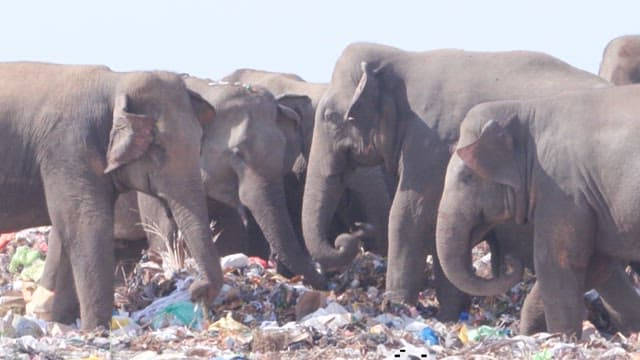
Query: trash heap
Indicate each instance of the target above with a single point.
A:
(262, 315)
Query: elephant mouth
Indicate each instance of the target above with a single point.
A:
(479, 232)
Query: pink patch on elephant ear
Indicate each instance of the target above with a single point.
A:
(131, 135)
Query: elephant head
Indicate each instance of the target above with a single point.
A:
(485, 185)
(246, 154)
(354, 126)
(621, 61)
(151, 149)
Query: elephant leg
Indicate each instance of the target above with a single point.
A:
(621, 300)
(81, 211)
(407, 249)
(52, 261)
(65, 308)
(42, 299)
(452, 301)
(563, 247)
(532, 318)
(229, 232)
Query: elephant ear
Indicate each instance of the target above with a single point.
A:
(366, 93)
(492, 155)
(204, 111)
(130, 136)
(293, 113)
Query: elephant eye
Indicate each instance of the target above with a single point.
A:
(466, 177)
(332, 116)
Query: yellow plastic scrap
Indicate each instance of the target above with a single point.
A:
(228, 326)
(92, 357)
(119, 322)
(463, 334)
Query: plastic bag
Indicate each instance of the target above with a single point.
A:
(24, 256)
(181, 313)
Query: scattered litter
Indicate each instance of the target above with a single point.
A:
(260, 314)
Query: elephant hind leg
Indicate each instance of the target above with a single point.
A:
(532, 318)
(65, 308)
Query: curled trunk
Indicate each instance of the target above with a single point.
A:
(454, 241)
(321, 196)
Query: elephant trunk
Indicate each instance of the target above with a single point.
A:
(321, 196)
(454, 241)
(267, 203)
(189, 210)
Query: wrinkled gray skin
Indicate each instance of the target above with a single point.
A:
(246, 153)
(536, 162)
(618, 293)
(357, 203)
(75, 136)
(621, 60)
(403, 109)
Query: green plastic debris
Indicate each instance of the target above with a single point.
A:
(181, 313)
(543, 355)
(33, 271)
(485, 332)
(29, 260)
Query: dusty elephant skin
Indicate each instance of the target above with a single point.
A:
(296, 102)
(403, 109)
(246, 153)
(357, 203)
(72, 138)
(536, 161)
(618, 294)
(621, 60)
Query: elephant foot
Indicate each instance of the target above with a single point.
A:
(41, 304)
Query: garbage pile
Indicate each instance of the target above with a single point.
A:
(262, 315)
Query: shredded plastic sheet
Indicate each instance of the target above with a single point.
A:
(260, 314)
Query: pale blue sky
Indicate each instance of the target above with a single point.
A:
(212, 38)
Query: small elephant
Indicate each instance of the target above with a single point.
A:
(357, 203)
(567, 165)
(73, 137)
(403, 109)
(621, 60)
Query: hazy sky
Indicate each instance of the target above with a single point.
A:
(212, 38)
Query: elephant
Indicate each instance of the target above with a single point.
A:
(73, 137)
(357, 204)
(246, 153)
(403, 109)
(563, 164)
(621, 60)
(618, 294)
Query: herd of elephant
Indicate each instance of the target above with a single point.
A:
(402, 153)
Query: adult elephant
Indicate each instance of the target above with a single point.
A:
(535, 161)
(245, 156)
(621, 60)
(357, 203)
(73, 137)
(403, 109)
